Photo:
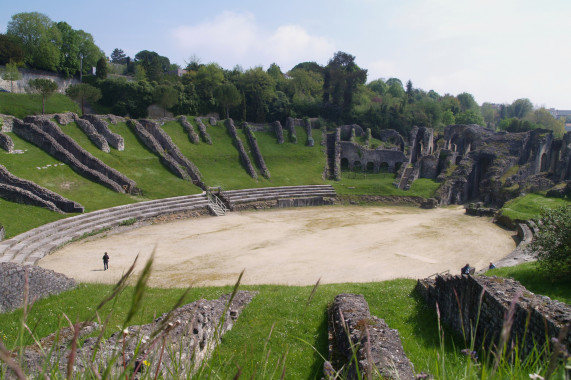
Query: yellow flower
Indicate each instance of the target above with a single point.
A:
(145, 362)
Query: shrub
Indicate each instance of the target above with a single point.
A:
(552, 242)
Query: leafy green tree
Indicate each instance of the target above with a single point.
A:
(154, 64)
(140, 73)
(39, 37)
(127, 98)
(553, 241)
(392, 81)
(11, 74)
(166, 96)
(396, 90)
(44, 87)
(470, 117)
(490, 114)
(88, 50)
(467, 102)
(379, 86)
(341, 78)
(227, 95)
(515, 125)
(206, 79)
(101, 68)
(448, 118)
(544, 119)
(118, 56)
(259, 91)
(82, 93)
(69, 50)
(520, 108)
(10, 51)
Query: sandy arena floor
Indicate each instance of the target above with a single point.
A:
(293, 246)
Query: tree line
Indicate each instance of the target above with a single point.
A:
(338, 92)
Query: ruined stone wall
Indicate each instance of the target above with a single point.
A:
(6, 143)
(290, 127)
(354, 153)
(2, 232)
(159, 142)
(393, 137)
(240, 147)
(378, 348)
(20, 86)
(307, 127)
(94, 136)
(6, 122)
(113, 139)
(255, 149)
(23, 191)
(49, 137)
(278, 130)
(189, 129)
(41, 283)
(203, 132)
(348, 130)
(465, 300)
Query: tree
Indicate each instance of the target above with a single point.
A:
(469, 117)
(467, 102)
(227, 95)
(11, 74)
(10, 51)
(378, 86)
(409, 91)
(553, 241)
(101, 70)
(448, 118)
(39, 37)
(44, 87)
(520, 108)
(118, 56)
(69, 50)
(154, 64)
(166, 96)
(82, 93)
(544, 119)
(88, 50)
(490, 114)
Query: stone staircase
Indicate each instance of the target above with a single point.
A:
(234, 197)
(31, 246)
(404, 179)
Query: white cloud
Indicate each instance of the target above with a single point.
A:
(236, 38)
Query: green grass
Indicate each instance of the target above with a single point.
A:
(529, 206)
(22, 105)
(381, 184)
(537, 281)
(298, 327)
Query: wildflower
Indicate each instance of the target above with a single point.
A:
(422, 375)
(146, 363)
(472, 354)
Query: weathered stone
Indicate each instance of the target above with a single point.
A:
(463, 300)
(278, 130)
(243, 155)
(6, 143)
(356, 333)
(290, 127)
(429, 203)
(255, 149)
(2, 232)
(189, 129)
(100, 124)
(192, 331)
(47, 135)
(94, 136)
(23, 191)
(203, 132)
(354, 155)
(41, 283)
(6, 122)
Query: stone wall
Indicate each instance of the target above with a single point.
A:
(255, 149)
(41, 283)
(203, 132)
(47, 135)
(354, 332)
(480, 305)
(6, 122)
(189, 129)
(94, 136)
(278, 130)
(240, 147)
(307, 127)
(355, 153)
(6, 143)
(290, 127)
(21, 85)
(303, 202)
(176, 342)
(2, 232)
(161, 144)
(113, 139)
(22, 191)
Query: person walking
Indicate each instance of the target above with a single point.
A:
(105, 261)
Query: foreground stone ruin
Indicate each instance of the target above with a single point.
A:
(479, 306)
(189, 333)
(355, 333)
(41, 283)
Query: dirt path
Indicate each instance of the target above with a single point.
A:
(293, 247)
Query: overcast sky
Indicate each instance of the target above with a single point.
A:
(497, 50)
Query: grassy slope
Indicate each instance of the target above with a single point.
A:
(22, 105)
(530, 205)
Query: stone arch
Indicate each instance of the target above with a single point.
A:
(344, 164)
(544, 163)
(384, 167)
(370, 168)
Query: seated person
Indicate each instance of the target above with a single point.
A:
(465, 269)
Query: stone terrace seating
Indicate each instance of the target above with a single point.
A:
(234, 197)
(31, 246)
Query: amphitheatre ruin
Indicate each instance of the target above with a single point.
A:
(293, 234)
